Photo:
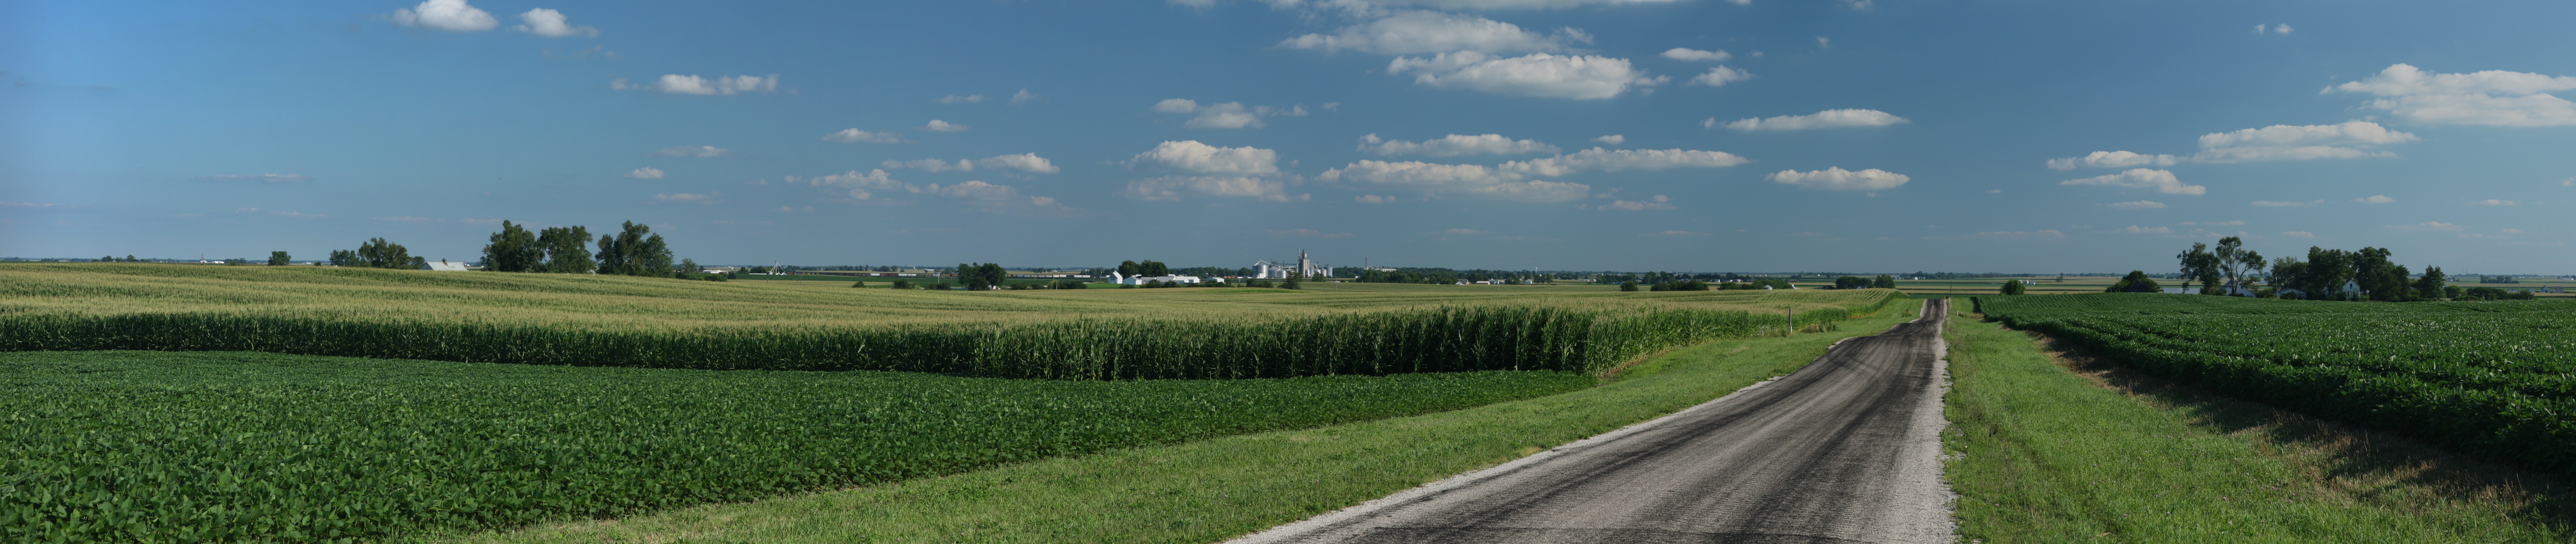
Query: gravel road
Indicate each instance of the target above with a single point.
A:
(1844, 450)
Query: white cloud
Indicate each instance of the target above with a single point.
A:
(645, 173)
(1688, 54)
(968, 99)
(1719, 76)
(2375, 199)
(2280, 142)
(1608, 160)
(1580, 77)
(1421, 32)
(1024, 97)
(1676, 234)
(1171, 188)
(1374, 199)
(31, 205)
(697, 151)
(2134, 229)
(989, 197)
(2275, 29)
(550, 23)
(2160, 180)
(2137, 205)
(931, 165)
(684, 198)
(2017, 235)
(1611, 139)
(852, 135)
(1659, 202)
(2287, 203)
(262, 178)
(1822, 119)
(448, 15)
(1838, 179)
(1305, 233)
(973, 190)
(2427, 226)
(1416, 173)
(691, 84)
(2110, 159)
(1025, 162)
(1453, 145)
(1194, 157)
(2493, 97)
(860, 186)
(1226, 115)
(2299, 234)
(936, 125)
(2494, 202)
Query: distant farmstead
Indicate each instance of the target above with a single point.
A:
(443, 266)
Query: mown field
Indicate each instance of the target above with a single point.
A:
(242, 422)
(1090, 334)
(2496, 379)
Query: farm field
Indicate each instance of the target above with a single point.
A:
(2496, 379)
(223, 446)
(2051, 449)
(662, 323)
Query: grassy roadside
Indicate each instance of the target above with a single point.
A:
(1216, 489)
(2042, 454)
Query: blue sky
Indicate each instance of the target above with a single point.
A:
(1705, 135)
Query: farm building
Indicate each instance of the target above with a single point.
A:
(1123, 279)
(443, 266)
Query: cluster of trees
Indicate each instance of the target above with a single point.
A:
(2322, 275)
(633, 251)
(2015, 287)
(1857, 282)
(375, 253)
(1148, 268)
(983, 276)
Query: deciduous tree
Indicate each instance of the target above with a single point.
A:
(514, 249)
(275, 258)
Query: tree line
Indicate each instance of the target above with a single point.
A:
(633, 251)
(2373, 274)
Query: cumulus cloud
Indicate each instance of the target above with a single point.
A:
(1453, 145)
(1422, 32)
(1305, 233)
(1610, 160)
(448, 15)
(936, 125)
(2427, 226)
(2160, 180)
(1659, 202)
(2018, 235)
(1374, 199)
(684, 198)
(2287, 203)
(2375, 199)
(1688, 54)
(932, 165)
(1226, 115)
(2495, 202)
(1822, 119)
(1024, 162)
(550, 23)
(2136, 205)
(2275, 29)
(645, 173)
(691, 84)
(2134, 229)
(2299, 234)
(852, 135)
(2111, 159)
(695, 151)
(1838, 179)
(262, 178)
(2492, 97)
(968, 99)
(1198, 158)
(1416, 173)
(1720, 76)
(985, 196)
(1172, 187)
(1543, 75)
(1611, 139)
(1024, 97)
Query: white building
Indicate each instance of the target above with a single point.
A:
(1123, 279)
(443, 266)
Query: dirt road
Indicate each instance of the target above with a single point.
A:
(1844, 450)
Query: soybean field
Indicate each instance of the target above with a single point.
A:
(2492, 378)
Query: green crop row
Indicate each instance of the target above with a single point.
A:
(249, 447)
(1445, 339)
(2493, 378)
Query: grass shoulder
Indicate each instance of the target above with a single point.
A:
(2048, 446)
(1210, 490)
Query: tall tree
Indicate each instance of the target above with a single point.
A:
(2327, 270)
(2432, 284)
(689, 267)
(634, 251)
(981, 276)
(2236, 263)
(2382, 279)
(379, 253)
(1153, 268)
(343, 257)
(2201, 265)
(567, 250)
(514, 249)
(1129, 269)
(2136, 282)
(1883, 282)
(275, 258)
(2013, 287)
